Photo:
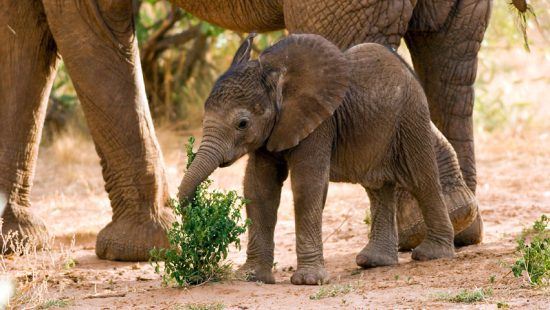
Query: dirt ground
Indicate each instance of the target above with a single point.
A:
(514, 191)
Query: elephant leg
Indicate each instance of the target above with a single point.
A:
(382, 247)
(309, 166)
(461, 205)
(439, 231)
(262, 189)
(27, 70)
(410, 224)
(97, 42)
(446, 63)
(459, 199)
(416, 162)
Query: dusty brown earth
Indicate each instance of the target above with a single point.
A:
(514, 191)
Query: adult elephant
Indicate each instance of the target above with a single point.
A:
(96, 40)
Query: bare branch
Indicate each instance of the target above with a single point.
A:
(177, 39)
(148, 49)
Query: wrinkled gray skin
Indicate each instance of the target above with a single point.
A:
(359, 116)
(97, 42)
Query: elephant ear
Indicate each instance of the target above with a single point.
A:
(243, 52)
(313, 80)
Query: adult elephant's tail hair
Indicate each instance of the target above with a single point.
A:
(525, 13)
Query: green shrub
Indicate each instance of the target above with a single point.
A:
(200, 237)
(535, 255)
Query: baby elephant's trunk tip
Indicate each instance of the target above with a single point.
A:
(203, 165)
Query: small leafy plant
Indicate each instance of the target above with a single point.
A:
(467, 296)
(54, 303)
(200, 237)
(332, 291)
(534, 261)
(202, 306)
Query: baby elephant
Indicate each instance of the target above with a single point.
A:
(358, 116)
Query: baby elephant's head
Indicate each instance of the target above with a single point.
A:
(273, 101)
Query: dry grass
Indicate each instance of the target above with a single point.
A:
(67, 147)
(37, 268)
(513, 156)
(512, 184)
(71, 183)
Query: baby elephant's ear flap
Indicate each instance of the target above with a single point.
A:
(313, 80)
(243, 52)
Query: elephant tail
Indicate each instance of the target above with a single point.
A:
(524, 13)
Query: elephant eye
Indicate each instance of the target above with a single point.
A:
(243, 124)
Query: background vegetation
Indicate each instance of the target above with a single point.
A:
(182, 56)
(513, 146)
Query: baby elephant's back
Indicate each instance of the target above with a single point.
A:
(383, 88)
(381, 76)
(382, 92)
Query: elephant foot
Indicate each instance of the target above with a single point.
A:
(411, 227)
(462, 206)
(428, 250)
(255, 272)
(310, 276)
(129, 239)
(369, 258)
(471, 235)
(408, 240)
(21, 231)
(463, 213)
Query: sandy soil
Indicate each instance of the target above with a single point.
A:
(514, 191)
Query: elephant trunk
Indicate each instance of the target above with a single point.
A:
(208, 158)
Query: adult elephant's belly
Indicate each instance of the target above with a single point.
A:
(348, 23)
(238, 15)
